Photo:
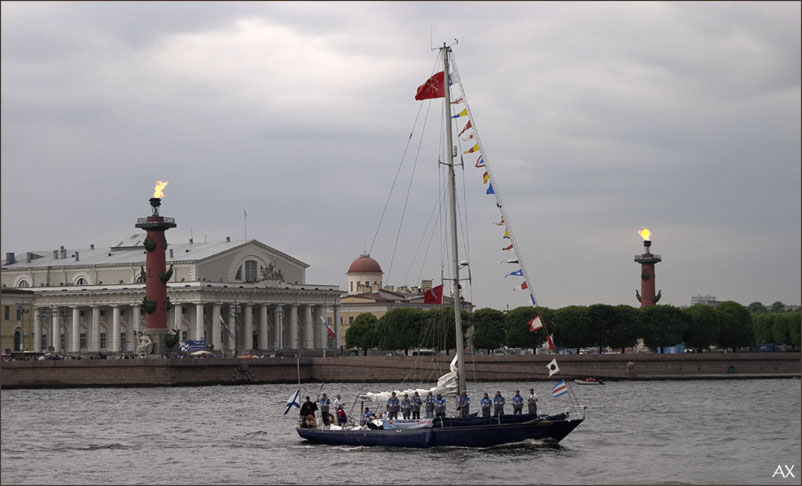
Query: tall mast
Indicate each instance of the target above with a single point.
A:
(452, 203)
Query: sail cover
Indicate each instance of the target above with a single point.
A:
(446, 386)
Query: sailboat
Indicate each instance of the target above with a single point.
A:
(471, 431)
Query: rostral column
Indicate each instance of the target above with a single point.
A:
(156, 304)
(647, 261)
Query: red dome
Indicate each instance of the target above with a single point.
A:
(365, 264)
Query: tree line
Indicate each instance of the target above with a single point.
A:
(729, 326)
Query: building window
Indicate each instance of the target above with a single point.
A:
(352, 286)
(44, 341)
(7, 313)
(123, 341)
(251, 270)
(64, 342)
(103, 339)
(184, 335)
(238, 276)
(83, 339)
(23, 283)
(351, 320)
(140, 279)
(82, 313)
(80, 281)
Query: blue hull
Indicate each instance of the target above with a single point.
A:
(469, 432)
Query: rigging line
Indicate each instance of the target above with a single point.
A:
(395, 179)
(400, 163)
(497, 193)
(423, 237)
(409, 190)
(426, 253)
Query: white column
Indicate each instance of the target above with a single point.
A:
(309, 332)
(278, 335)
(294, 326)
(55, 331)
(178, 318)
(76, 330)
(198, 321)
(37, 331)
(216, 337)
(248, 332)
(232, 325)
(94, 341)
(135, 310)
(115, 329)
(263, 327)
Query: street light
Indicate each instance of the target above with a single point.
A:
(233, 311)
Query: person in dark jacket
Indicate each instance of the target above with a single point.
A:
(498, 404)
(486, 403)
(416, 403)
(308, 408)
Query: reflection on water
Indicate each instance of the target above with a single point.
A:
(692, 432)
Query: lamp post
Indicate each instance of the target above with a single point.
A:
(233, 311)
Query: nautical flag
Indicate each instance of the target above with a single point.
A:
(535, 324)
(485, 177)
(434, 295)
(500, 223)
(523, 286)
(432, 88)
(490, 189)
(507, 248)
(293, 401)
(226, 328)
(468, 137)
(548, 338)
(328, 329)
(552, 367)
(534, 304)
(480, 162)
(458, 100)
(507, 234)
(462, 113)
(466, 127)
(517, 273)
(473, 149)
(511, 261)
(559, 389)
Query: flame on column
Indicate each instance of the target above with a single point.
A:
(645, 234)
(158, 191)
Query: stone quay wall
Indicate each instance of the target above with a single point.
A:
(194, 372)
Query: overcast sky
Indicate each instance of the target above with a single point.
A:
(596, 118)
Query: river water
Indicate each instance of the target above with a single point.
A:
(636, 432)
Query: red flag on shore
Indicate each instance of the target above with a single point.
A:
(434, 295)
(432, 88)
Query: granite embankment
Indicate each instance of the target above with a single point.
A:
(193, 372)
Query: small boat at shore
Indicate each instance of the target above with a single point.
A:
(589, 381)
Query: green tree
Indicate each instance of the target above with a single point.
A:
(793, 320)
(764, 327)
(517, 326)
(736, 325)
(757, 308)
(572, 327)
(703, 327)
(664, 325)
(439, 329)
(780, 333)
(602, 323)
(400, 329)
(361, 333)
(778, 307)
(488, 329)
(628, 328)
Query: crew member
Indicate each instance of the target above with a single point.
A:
(439, 406)
(429, 405)
(406, 407)
(532, 402)
(498, 405)
(416, 403)
(485, 402)
(464, 404)
(325, 403)
(517, 403)
(392, 407)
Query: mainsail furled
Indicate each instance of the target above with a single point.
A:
(446, 386)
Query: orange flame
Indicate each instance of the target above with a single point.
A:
(158, 192)
(645, 234)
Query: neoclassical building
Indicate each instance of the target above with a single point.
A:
(240, 296)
